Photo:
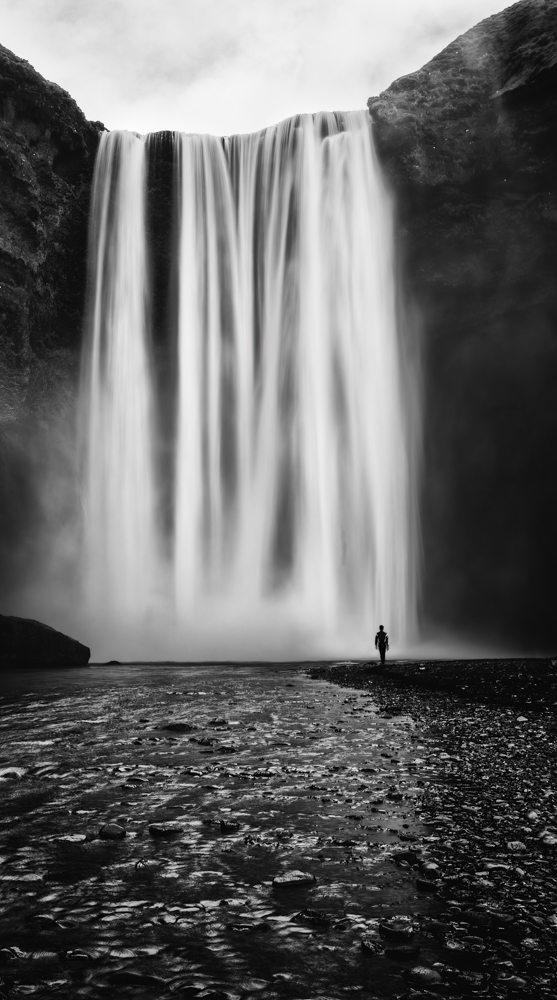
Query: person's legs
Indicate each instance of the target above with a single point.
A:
(382, 653)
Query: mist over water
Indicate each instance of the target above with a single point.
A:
(282, 526)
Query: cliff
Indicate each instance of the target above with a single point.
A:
(47, 154)
(469, 143)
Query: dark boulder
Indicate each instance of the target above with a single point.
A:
(469, 144)
(26, 643)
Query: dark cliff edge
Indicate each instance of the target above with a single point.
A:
(47, 154)
(469, 143)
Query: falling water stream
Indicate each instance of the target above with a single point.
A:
(290, 527)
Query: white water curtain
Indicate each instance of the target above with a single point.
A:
(292, 507)
(120, 525)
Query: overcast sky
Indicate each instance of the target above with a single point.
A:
(227, 66)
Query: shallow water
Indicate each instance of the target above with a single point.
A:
(271, 772)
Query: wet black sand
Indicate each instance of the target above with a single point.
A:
(487, 732)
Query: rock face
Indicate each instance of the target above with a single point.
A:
(469, 143)
(47, 154)
(25, 643)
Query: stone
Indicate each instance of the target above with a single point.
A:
(27, 643)
(478, 918)
(13, 773)
(430, 870)
(293, 879)
(409, 858)
(165, 830)
(229, 826)
(422, 975)
(112, 831)
(396, 930)
(512, 982)
(373, 945)
(314, 917)
(425, 885)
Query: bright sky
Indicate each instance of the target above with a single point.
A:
(225, 66)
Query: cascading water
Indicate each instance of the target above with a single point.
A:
(291, 528)
(119, 494)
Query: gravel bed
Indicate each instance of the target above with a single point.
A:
(487, 739)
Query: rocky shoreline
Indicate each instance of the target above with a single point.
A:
(488, 737)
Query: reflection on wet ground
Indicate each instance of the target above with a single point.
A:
(206, 832)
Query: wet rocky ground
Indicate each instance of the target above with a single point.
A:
(221, 832)
(487, 732)
(238, 832)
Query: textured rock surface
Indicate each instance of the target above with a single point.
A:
(25, 643)
(470, 145)
(47, 152)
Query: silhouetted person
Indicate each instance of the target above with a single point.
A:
(382, 643)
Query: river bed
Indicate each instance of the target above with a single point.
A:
(148, 810)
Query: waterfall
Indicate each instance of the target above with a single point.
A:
(291, 527)
(120, 531)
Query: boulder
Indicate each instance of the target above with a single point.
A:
(27, 643)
